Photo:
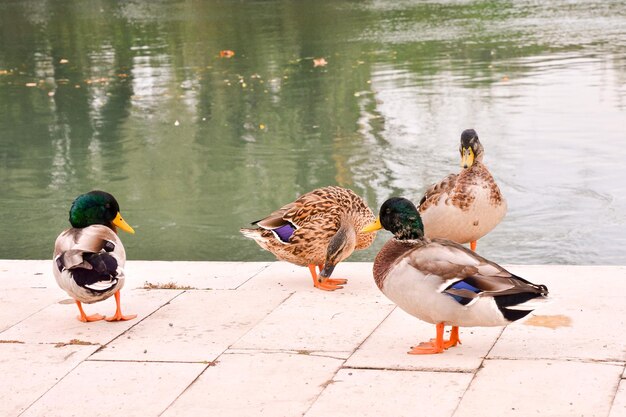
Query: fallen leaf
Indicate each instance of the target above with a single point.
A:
(551, 322)
(227, 53)
(63, 61)
(319, 62)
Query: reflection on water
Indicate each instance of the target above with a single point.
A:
(134, 98)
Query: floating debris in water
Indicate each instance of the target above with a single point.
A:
(227, 53)
(319, 62)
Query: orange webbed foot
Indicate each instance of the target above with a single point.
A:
(86, 319)
(336, 281)
(453, 341)
(437, 345)
(118, 316)
(426, 348)
(327, 285)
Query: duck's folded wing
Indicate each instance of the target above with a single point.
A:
(445, 186)
(275, 219)
(465, 274)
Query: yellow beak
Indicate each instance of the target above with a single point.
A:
(467, 157)
(372, 227)
(121, 223)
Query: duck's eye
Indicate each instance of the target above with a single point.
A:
(107, 205)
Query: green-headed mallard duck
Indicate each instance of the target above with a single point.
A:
(321, 228)
(442, 282)
(89, 257)
(466, 206)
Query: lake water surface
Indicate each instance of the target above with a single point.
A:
(133, 97)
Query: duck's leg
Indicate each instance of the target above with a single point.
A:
(118, 316)
(454, 338)
(433, 346)
(473, 245)
(338, 281)
(321, 283)
(85, 318)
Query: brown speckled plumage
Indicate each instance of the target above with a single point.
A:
(463, 207)
(318, 216)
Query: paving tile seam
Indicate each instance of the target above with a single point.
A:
(215, 362)
(289, 294)
(248, 351)
(209, 363)
(105, 345)
(267, 265)
(372, 332)
(616, 391)
(615, 362)
(58, 381)
(425, 369)
(476, 372)
(323, 387)
(186, 388)
(26, 318)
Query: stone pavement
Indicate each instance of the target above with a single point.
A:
(252, 339)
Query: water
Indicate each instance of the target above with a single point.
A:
(132, 97)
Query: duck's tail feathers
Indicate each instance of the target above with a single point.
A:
(102, 274)
(517, 306)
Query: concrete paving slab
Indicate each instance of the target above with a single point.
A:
(257, 384)
(308, 328)
(297, 278)
(107, 389)
(360, 392)
(196, 326)
(21, 274)
(198, 275)
(618, 408)
(317, 321)
(593, 333)
(58, 323)
(387, 346)
(20, 303)
(29, 370)
(541, 387)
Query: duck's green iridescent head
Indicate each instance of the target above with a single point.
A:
(471, 149)
(97, 207)
(400, 217)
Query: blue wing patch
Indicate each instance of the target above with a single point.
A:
(464, 286)
(284, 232)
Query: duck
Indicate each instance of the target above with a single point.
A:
(319, 229)
(466, 206)
(89, 257)
(443, 282)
